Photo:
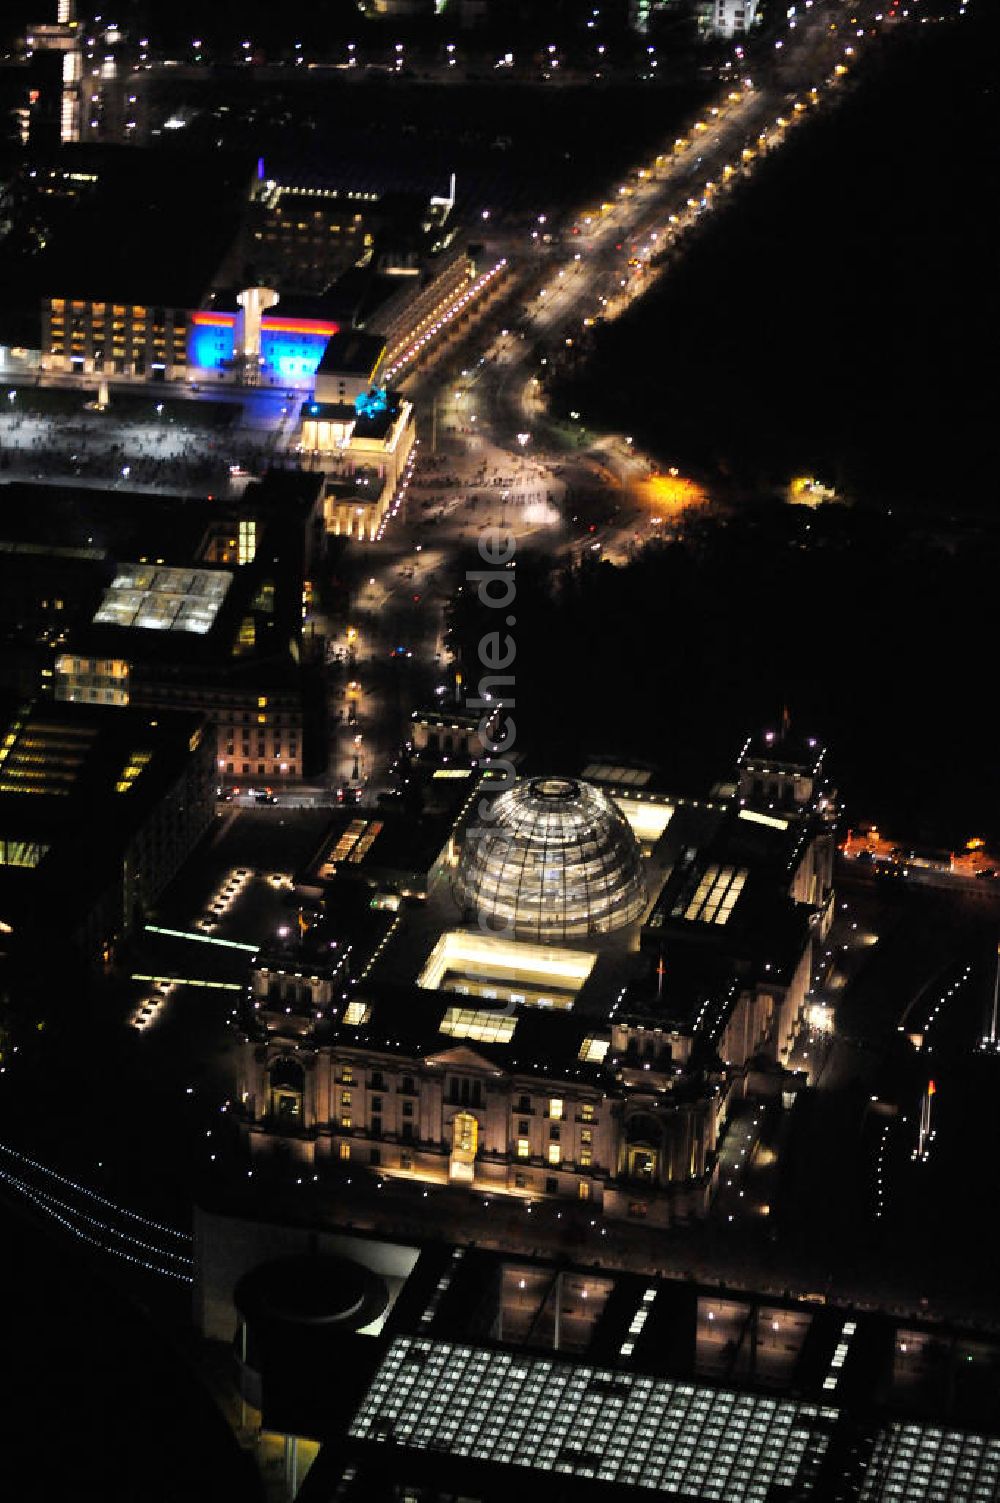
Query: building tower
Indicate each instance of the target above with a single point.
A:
(254, 303)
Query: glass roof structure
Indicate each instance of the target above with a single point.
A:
(715, 897)
(481, 1026)
(163, 599)
(605, 772)
(498, 968)
(672, 1437)
(928, 1464)
(555, 859)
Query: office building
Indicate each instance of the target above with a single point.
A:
(194, 605)
(99, 809)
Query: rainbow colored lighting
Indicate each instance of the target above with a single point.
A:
(310, 326)
(290, 348)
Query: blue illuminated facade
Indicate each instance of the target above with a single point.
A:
(290, 348)
(211, 344)
(292, 356)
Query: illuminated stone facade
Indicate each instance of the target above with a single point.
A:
(456, 1116)
(367, 456)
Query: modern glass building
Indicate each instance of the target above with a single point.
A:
(555, 859)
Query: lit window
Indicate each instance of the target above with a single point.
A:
(247, 553)
(345, 1098)
(555, 1109)
(345, 1150)
(523, 1148)
(136, 762)
(345, 1121)
(555, 1153)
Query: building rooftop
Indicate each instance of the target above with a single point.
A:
(555, 858)
(76, 781)
(377, 420)
(489, 1418)
(620, 774)
(371, 420)
(380, 847)
(528, 1411)
(70, 521)
(85, 754)
(695, 985)
(352, 353)
(728, 885)
(165, 578)
(413, 1021)
(498, 1373)
(786, 749)
(162, 599)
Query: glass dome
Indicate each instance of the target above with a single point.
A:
(556, 859)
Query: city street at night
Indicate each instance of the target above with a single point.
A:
(499, 831)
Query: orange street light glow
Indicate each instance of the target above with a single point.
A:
(671, 493)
